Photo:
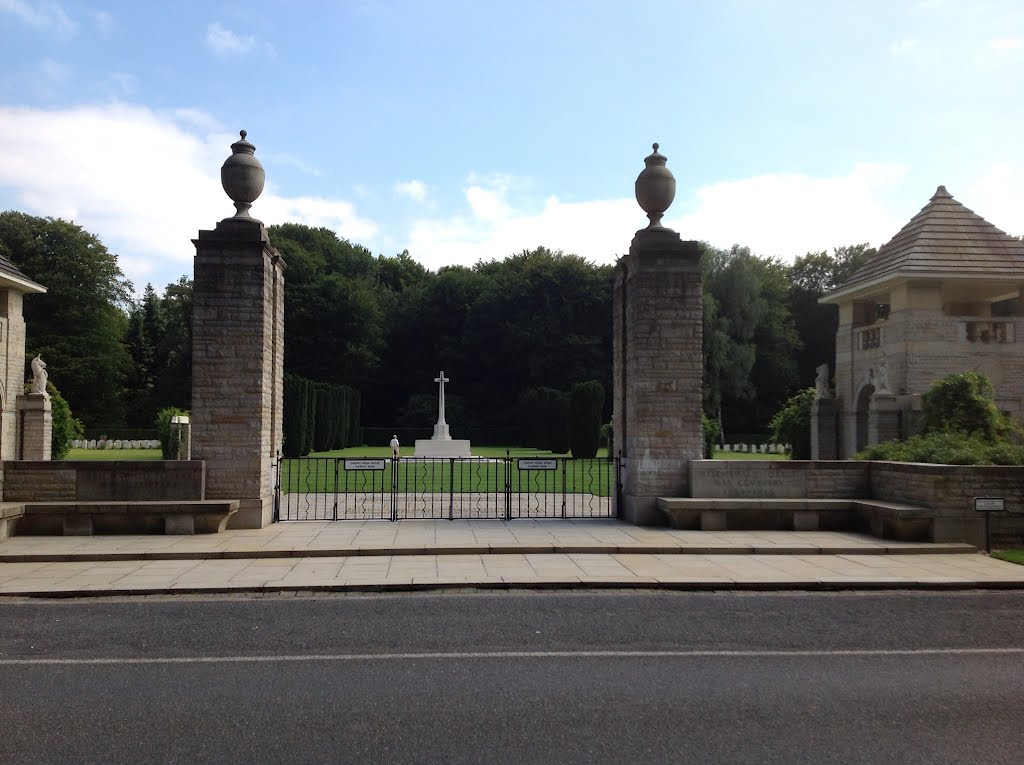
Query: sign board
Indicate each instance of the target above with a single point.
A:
(535, 464)
(364, 464)
(989, 505)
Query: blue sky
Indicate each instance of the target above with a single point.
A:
(467, 131)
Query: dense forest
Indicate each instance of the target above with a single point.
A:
(386, 325)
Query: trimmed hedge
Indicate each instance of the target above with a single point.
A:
(586, 405)
(318, 416)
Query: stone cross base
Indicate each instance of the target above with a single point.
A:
(429, 447)
(35, 426)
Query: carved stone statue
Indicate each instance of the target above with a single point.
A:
(883, 377)
(39, 376)
(821, 382)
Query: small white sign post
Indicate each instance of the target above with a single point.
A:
(989, 505)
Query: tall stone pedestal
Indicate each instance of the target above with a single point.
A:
(657, 370)
(825, 429)
(35, 427)
(883, 418)
(237, 365)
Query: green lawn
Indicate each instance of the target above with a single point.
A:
(325, 473)
(719, 455)
(114, 454)
(1014, 556)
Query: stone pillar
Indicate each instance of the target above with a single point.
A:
(35, 427)
(657, 356)
(825, 429)
(883, 418)
(238, 350)
(181, 437)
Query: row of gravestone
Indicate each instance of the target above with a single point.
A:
(115, 444)
(757, 448)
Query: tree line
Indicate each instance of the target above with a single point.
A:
(386, 325)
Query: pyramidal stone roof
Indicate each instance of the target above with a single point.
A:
(945, 238)
(7, 268)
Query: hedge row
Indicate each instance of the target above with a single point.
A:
(318, 416)
(560, 422)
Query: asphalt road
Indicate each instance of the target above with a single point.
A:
(585, 677)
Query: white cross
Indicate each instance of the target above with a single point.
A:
(441, 380)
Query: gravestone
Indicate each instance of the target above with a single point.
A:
(657, 363)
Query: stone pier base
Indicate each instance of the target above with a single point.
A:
(35, 427)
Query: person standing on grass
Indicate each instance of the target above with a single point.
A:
(394, 447)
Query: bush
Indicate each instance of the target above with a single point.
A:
(947, 448)
(963, 402)
(585, 407)
(792, 424)
(64, 427)
(163, 429)
(710, 435)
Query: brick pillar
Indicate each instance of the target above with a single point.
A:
(825, 429)
(35, 427)
(657, 369)
(237, 365)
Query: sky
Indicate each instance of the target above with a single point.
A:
(463, 130)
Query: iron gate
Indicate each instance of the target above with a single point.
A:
(346, 488)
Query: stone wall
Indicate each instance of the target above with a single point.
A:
(12, 369)
(62, 481)
(947, 491)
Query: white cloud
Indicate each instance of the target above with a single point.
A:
(784, 215)
(902, 46)
(223, 42)
(85, 164)
(1004, 44)
(43, 14)
(415, 190)
(104, 21)
(997, 197)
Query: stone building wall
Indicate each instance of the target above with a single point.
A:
(12, 369)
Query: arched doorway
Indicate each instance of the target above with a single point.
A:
(863, 401)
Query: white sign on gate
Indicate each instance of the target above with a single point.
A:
(364, 464)
(535, 464)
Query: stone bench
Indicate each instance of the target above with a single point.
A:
(10, 512)
(206, 516)
(887, 520)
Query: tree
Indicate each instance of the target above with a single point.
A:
(80, 323)
(792, 424)
(65, 428)
(812, 276)
(585, 408)
(963, 403)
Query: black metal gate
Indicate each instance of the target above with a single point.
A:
(346, 488)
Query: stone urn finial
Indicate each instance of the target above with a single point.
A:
(242, 176)
(655, 188)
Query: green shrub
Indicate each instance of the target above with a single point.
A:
(65, 428)
(963, 402)
(163, 428)
(792, 424)
(947, 448)
(710, 435)
(585, 407)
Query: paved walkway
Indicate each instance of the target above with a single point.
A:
(435, 554)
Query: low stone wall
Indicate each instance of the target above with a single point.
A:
(122, 480)
(779, 479)
(947, 491)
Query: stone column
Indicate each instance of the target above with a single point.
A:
(181, 437)
(657, 356)
(238, 350)
(883, 418)
(825, 429)
(35, 427)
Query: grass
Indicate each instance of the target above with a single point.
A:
(719, 455)
(114, 454)
(325, 473)
(1013, 556)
